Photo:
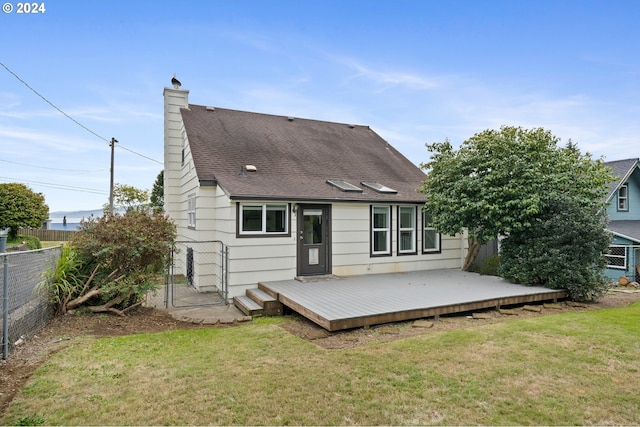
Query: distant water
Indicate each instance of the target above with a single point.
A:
(70, 226)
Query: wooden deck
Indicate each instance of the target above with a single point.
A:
(344, 303)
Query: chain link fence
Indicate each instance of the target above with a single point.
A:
(201, 265)
(24, 312)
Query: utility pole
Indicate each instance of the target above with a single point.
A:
(112, 144)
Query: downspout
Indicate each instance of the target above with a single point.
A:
(462, 239)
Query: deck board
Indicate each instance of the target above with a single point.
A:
(368, 300)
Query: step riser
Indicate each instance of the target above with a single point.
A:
(272, 307)
(247, 308)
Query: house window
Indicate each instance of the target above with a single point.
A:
(406, 229)
(380, 230)
(264, 219)
(623, 198)
(617, 257)
(430, 237)
(191, 211)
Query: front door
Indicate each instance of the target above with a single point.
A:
(314, 239)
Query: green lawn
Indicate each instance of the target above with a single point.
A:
(568, 369)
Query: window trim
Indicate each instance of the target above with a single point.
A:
(373, 230)
(623, 257)
(438, 248)
(263, 233)
(413, 229)
(624, 199)
(191, 211)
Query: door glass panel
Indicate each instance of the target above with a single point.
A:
(312, 226)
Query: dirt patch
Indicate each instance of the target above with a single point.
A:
(64, 331)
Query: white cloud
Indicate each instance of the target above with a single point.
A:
(388, 79)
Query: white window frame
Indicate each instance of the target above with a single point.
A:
(412, 229)
(623, 199)
(616, 256)
(191, 211)
(264, 208)
(425, 228)
(377, 230)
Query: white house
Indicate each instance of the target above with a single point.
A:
(293, 197)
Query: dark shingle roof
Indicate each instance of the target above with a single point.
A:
(621, 170)
(294, 157)
(629, 229)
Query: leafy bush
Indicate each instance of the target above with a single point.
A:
(562, 249)
(32, 242)
(109, 264)
(490, 266)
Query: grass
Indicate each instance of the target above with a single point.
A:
(573, 368)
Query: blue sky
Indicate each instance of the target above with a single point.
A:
(416, 71)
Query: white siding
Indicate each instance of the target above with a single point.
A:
(351, 246)
(254, 259)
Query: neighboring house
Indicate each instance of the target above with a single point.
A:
(624, 216)
(293, 197)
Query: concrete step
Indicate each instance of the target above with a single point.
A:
(248, 306)
(272, 307)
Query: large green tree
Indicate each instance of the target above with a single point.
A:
(21, 207)
(498, 180)
(130, 198)
(157, 193)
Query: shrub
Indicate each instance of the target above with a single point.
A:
(490, 266)
(32, 242)
(109, 264)
(562, 249)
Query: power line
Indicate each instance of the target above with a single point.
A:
(71, 118)
(57, 186)
(51, 103)
(141, 155)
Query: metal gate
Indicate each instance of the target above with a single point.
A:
(197, 274)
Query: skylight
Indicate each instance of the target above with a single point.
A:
(379, 187)
(344, 185)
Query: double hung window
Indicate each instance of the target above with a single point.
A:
(380, 230)
(406, 229)
(430, 237)
(623, 198)
(191, 211)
